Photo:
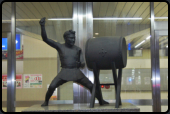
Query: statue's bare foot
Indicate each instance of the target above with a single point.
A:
(45, 104)
(105, 102)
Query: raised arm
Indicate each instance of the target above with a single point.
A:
(44, 35)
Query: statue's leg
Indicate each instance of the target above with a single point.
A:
(89, 85)
(56, 82)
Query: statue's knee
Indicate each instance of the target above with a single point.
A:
(51, 88)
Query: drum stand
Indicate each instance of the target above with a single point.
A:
(117, 83)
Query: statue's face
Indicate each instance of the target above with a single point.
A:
(70, 40)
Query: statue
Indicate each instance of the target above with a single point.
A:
(71, 60)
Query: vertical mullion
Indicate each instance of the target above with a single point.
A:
(83, 25)
(11, 62)
(75, 28)
(154, 42)
(157, 73)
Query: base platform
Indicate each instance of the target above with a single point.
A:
(83, 107)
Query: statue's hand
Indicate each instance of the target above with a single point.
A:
(42, 21)
(78, 64)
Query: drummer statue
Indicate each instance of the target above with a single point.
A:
(71, 58)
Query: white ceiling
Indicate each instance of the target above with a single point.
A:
(37, 10)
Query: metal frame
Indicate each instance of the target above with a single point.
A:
(11, 63)
(155, 69)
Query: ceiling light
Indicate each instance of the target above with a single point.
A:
(54, 19)
(110, 18)
(27, 19)
(139, 44)
(22, 20)
(96, 33)
(167, 46)
(159, 18)
(148, 37)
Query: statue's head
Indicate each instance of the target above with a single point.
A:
(69, 37)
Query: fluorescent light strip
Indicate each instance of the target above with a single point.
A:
(99, 19)
(54, 19)
(159, 18)
(27, 19)
(142, 41)
(22, 20)
(139, 43)
(117, 18)
(148, 37)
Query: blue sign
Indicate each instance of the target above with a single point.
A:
(4, 43)
(129, 46)
(17, 41)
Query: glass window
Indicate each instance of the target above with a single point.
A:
(37, 63)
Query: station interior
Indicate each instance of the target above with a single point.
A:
(40, 58)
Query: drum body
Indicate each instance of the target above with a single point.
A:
(105, 50)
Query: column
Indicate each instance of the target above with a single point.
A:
(11, 62)
(155, 70)
(83, 25)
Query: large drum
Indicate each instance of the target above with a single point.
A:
(105, 50)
